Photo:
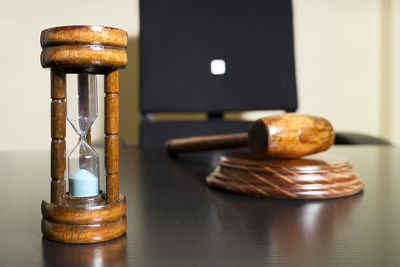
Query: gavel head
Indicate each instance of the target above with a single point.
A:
(290, 135)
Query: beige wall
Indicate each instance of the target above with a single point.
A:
(338, 61)
(346, 61)
(25, 86)
(392, 66)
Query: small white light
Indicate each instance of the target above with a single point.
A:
(96, 28)
(218, 66)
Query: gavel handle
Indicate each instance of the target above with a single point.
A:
(203, 143)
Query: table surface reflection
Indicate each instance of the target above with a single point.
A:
(175, 219)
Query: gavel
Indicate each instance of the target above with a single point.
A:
(289, 135)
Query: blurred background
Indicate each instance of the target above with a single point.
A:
(347, 56)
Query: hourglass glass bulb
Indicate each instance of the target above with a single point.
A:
(81, 115)
(83, 162)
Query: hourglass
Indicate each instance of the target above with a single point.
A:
(83, 162)
(83, 214)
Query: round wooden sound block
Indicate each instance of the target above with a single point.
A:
(319, 176)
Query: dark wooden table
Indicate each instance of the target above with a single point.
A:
(174, 219)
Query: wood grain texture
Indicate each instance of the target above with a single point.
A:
(111, 82)
(57, 190)
(318, 177)
(58, 162)
(112, 183)
(99, 212)
(76, 221)
(82, 233)
(111, 125)
(84, 34)
(58, 115)
(77, 55)
(204, 143)
(90, 49)
(111, 130)
(112, 152)
(290, 135)
(58, 133)
(58, 84)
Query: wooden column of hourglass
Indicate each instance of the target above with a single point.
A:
(91, 50)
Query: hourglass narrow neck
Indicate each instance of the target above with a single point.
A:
(82, 137)
(85, 149)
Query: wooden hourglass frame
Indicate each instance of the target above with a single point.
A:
(88, 50)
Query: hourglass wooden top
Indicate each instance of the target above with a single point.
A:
(93, 49)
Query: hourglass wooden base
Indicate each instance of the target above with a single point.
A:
(319, 176)
(84, 220)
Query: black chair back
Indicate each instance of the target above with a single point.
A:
(213, 56)
(180, 39)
